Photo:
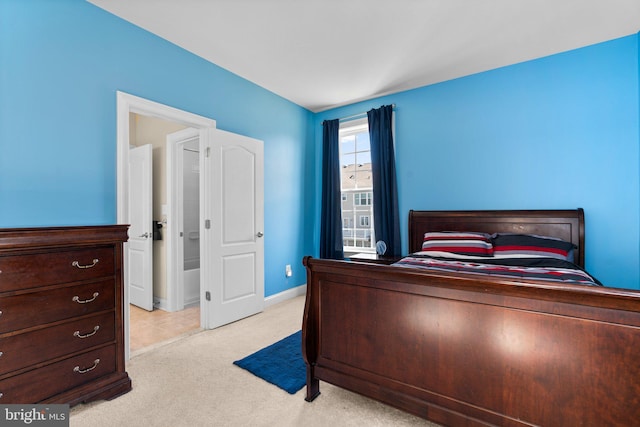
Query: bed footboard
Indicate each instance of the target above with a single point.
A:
(462, 351)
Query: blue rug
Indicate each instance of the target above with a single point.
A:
(280, 364)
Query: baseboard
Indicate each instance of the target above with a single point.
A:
(285, 295)
(161, 303)
(194, 303)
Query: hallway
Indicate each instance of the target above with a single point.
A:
(148, 329)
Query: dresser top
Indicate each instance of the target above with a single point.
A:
(20, 238)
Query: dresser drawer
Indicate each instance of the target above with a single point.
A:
(39, 384)
(22, 350)
(36, 308)
(35, 270)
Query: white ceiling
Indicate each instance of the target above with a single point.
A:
(325, 53)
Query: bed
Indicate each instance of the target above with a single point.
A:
(465, 349)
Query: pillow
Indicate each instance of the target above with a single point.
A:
(462, 243)
(529, 245)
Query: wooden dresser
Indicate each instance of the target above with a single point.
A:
(61, 323)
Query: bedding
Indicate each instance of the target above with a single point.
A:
(522, 256)
(548, 269)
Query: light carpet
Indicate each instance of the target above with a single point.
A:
(193, 382)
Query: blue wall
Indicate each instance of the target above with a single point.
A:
(61, 63)
(558, 132)
(554, 133)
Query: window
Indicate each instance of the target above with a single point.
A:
(362, 199)
(356, 180)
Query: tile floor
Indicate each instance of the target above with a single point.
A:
(148, 328)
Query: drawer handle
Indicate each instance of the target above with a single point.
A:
(90, 334)
(79, 301)
(84, 371)
(77, 264)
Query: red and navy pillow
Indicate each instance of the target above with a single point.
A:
(499, 245)
(528, 245)
(461, 243)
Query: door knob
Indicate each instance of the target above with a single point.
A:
(145, 235)
(259, 234)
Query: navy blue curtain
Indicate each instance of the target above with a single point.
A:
(386, 221)
(331, 214)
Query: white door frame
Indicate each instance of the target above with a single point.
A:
(175, 251)
(127, 104)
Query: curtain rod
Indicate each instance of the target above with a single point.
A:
(355, 116)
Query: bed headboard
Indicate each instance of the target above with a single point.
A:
(567, 225)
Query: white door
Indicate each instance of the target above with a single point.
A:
(175, 233)
(232, 270)
(140, 261)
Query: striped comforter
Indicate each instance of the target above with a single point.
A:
(547, 269)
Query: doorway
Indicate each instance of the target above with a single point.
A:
(128, 106)
(183, 207)
(156, 314)
(190, 207)
(231, 226)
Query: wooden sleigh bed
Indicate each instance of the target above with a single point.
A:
(468, 350)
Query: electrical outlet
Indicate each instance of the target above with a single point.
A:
(287, 270)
